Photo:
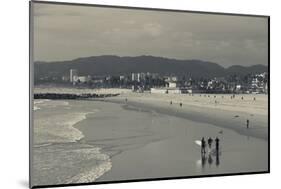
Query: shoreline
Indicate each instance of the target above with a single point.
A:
(222, 118)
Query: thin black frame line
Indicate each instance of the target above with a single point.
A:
(148, 179)
(268, 84)
(149, 9)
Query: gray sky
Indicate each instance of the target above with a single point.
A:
(64, 32)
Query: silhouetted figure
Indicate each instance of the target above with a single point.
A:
(171, 102)
(210, 159)
(247, 123)
(217, 144)
(254, 98)
(242, 98)
(210, 141)
(203, 146)
(180, 104)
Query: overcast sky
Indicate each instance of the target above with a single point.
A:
(64, 32)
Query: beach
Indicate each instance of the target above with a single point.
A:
(144, 136)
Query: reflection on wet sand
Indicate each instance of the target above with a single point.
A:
(210, 159)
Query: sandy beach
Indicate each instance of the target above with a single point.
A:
(147, 137)
(226, 113)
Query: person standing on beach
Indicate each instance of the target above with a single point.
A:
(171, 102)
(247, 123)
(210, 141)
(203, 146)
(217, 144)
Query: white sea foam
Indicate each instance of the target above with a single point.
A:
(68, 163)
(58, 158)
(55, 125)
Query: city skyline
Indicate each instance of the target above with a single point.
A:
(63, 32)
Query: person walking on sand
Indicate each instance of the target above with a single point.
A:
(217, 144)
(247, 123)
(210, 141)
(203, 146)
(180, 104)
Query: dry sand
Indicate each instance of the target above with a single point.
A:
(217, 109)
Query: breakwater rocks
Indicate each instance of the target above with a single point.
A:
(71, 96)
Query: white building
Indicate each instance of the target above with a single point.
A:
(159, 90)
(73, 73)
(83, 79)
(134, 77)
(172, 84)
(141, 77)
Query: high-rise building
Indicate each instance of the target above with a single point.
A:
(134, 76)
(73, 73)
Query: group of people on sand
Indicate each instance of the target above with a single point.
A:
(210, 142)
(171, 102)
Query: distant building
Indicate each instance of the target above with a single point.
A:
(159, 90)
(73, 73)
(172, 84)
(134, 77)
(83, 79)
(65, 78)
(121, 77)
(141, 77)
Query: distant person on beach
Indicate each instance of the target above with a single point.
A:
(203, 146)
(210, 141)
(171, 102)
(180, 104)
(254, 98)
(247, 123)
(217, 144)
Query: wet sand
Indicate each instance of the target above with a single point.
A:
(155, 140)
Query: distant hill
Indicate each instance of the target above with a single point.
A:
(242, 70)
(115, 65)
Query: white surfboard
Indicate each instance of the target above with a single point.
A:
(198, 142)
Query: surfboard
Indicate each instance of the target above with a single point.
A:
(198, 142)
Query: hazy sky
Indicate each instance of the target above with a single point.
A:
(64, 32)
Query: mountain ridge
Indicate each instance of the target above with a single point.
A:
(116, 65)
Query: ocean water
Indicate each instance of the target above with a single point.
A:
(59, 156)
